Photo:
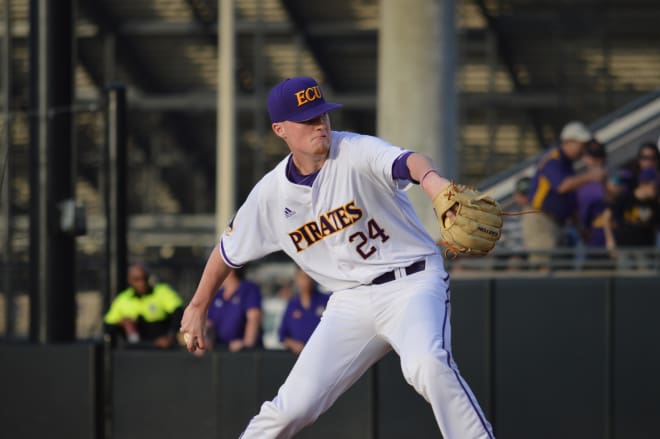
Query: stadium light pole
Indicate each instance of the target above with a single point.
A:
(226, 118)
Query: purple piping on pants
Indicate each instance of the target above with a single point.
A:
(458, 377)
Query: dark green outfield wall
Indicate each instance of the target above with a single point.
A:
(547, 358)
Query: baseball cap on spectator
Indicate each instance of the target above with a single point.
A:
(297, 100)
(575, 131)
(648, 174)
(595, 149)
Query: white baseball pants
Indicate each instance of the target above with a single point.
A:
(359, 326)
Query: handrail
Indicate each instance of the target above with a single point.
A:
(577, 260)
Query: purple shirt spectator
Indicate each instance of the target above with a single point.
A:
(229, 316)
(543, 191)
(591, 205)
(298, 323)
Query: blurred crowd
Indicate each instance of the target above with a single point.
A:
(147, 314)
(585, 211)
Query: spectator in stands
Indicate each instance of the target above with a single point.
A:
(592, 203)
(620, 182)
(635, 217)
(648, 156)
(302, 314)
(552, 191)
(144, 315)
(234, 316)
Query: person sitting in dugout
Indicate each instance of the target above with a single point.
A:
(144, 315)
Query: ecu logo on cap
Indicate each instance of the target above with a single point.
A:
(307, 95)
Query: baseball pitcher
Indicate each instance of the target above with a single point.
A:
(336, 205)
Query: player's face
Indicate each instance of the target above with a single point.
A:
(573, 150)
(309, 137)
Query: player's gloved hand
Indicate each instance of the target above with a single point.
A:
(475, 225)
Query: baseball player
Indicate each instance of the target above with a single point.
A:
(336, 206)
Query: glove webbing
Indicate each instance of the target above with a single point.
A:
(456, 251)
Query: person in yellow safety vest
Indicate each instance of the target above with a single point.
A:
(144, 315)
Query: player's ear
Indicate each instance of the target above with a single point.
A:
(278, 129)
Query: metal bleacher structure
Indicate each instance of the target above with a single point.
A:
(526, 67)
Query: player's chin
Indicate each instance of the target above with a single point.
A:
(321, 144)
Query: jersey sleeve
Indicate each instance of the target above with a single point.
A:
(400, 169)
(249, 235)
(377, 157)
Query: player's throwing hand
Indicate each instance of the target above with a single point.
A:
(193, 325)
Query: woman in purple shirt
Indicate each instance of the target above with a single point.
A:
(302, 314)
(234, 316)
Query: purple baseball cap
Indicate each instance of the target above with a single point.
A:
(297, 100)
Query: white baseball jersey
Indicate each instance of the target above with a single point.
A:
(353, 224)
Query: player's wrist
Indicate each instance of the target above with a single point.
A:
(433, 183)
(426, 174)
(198, 302)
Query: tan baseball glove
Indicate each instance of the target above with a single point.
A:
(477, 223)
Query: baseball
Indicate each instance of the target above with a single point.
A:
(190, 340)
(447, 221)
